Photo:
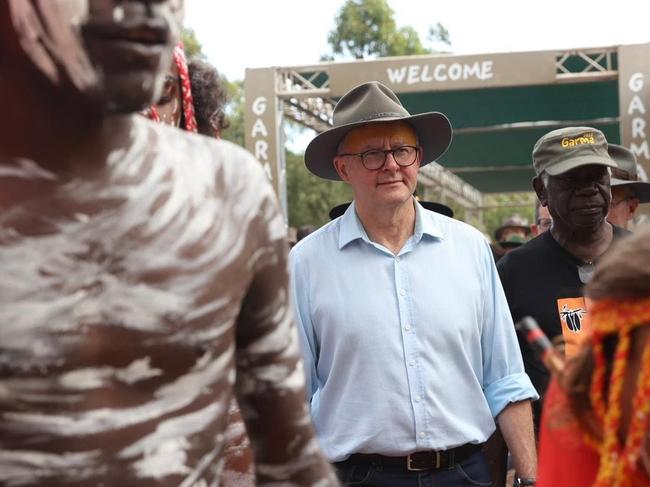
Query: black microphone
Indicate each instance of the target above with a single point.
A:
(539, 342)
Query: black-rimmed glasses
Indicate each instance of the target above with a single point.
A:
(375, 159)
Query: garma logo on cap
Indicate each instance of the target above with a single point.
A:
(567, 148)
(587, 138)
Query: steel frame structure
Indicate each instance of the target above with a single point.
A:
(306, 97)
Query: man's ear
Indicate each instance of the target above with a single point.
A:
(540, 189)
(633, 204)
(341, 168)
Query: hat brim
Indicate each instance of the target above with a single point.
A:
(569, 164)
(437, 208)
(433, 130)
(338, 210)
(641, 188)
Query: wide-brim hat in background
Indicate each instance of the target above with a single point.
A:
(373, 102)
(338, 210)
(513, 221)
(626, 175)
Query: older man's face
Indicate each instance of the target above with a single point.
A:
(112, 52)
(580, 197)
(623, 206)
(389, 185)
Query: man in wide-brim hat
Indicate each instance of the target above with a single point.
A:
(408, 343)
(512, 233)
(628, 190)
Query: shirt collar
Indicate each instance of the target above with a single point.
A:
(351, 228)
(426, 223)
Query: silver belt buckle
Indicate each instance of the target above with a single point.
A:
(411, 468)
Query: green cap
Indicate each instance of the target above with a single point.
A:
(512, 240)
(564, 149)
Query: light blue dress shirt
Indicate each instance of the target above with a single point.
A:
(404, 352)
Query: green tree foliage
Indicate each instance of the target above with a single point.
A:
(367, 28)
(235, 113)
(309, 197)
(439, 35)
(493, 217)
(191, 44)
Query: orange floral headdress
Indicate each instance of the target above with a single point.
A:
(186, 92)
(619, 462)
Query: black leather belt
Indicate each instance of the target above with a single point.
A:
(420, 460)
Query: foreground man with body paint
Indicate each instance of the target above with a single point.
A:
(141, 267)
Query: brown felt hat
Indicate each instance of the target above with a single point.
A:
(373, 102)
(513, 221)
(626, 175)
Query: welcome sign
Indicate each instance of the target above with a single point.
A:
(422, 73)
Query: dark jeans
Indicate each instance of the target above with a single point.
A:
(472, 472)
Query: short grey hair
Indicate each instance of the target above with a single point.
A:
(544, 176)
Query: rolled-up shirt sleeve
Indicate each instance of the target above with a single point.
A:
(504, 378)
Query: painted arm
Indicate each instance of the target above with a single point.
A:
(270, 381)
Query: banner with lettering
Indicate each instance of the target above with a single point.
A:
(443, 72)
(634, 100)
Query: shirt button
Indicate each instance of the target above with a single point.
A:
(417, 399)
(402, 292)
(407, 327)
(423, 434)
(398, 258)
(412, 363)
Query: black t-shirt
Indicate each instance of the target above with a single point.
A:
(540, 279)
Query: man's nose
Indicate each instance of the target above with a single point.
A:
(587, 187)
(390, 164)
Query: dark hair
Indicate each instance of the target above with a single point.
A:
(304, 231)
(210, 97)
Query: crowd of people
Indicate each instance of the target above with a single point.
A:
(156, 330)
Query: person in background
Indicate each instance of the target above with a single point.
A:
(409, 348)
(303, 231)
(210, 98)
(175, 106)
(544, 278)
(144, 278)
(512, 233)
(595, 428)
(543, 220)
(627, 190)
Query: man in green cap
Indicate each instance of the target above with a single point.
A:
(628, 191)
(544, 277)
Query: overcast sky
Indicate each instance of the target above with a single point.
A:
(240, 34)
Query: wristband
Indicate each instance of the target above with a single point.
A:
(519, 482)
